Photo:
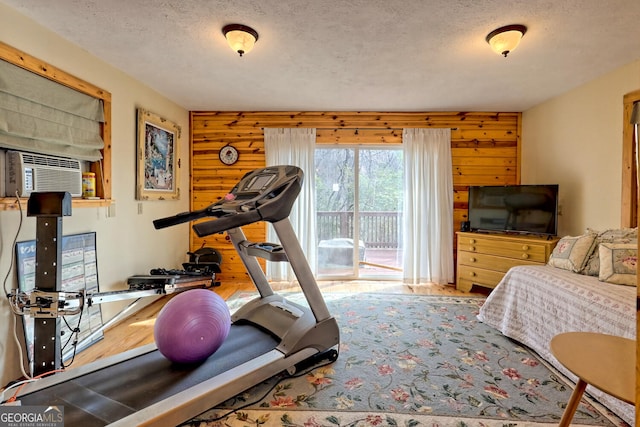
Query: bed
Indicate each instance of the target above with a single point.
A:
(532, 304)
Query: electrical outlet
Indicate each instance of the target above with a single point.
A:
(111, 210)
(140, 208)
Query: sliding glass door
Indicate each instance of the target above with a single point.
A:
(359, 212)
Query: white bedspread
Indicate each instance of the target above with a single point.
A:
(532, 304)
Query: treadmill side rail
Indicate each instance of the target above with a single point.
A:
(71, 374)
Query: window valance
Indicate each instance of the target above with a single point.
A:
(42, 116)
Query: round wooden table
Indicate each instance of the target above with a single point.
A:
(606, 362)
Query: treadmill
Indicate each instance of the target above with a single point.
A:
(269, 334)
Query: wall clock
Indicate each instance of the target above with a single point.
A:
(228, 155)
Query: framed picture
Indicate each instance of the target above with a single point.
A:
(157, 158)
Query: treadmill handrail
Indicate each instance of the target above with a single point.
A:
(211, 210)
(226, 222)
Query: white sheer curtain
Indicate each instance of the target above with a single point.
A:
(295, 147)
(428, 206)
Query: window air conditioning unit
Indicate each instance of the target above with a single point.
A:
(27, 173)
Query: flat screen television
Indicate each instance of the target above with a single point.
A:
(525, 209)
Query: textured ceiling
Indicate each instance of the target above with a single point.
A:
(355, 55)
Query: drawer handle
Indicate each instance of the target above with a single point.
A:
(525, 256)
(472, 241)
(472, 273)
(525, 247)
(472, 259)
(473, 248)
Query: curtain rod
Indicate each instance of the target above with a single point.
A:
(395, 128)
(370, 128)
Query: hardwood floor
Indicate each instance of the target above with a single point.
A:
(137, 330)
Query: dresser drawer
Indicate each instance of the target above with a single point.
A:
(491, 262)
(479, 276)
(518, 250)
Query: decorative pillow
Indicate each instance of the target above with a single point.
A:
(614, 235)
(618, 263)
(571, 253)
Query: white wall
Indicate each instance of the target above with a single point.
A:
(127, 244)
(575, 140)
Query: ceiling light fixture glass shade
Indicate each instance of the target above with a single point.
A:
(505, 39)
(240, 37)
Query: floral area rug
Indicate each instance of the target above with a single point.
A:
(411, 360)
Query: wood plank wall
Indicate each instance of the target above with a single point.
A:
(485, 151)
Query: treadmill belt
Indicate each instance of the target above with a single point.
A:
(114, 392)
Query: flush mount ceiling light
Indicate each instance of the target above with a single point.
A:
(506, 39)
(240, 37)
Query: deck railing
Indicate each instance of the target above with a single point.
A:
(377, 229)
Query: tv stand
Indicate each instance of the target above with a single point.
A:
(484, 258)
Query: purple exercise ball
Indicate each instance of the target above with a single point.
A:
(192, 326)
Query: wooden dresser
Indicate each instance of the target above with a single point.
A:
(483, 259)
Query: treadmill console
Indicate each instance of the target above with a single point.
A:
(259, 182)
(265, 194)
(262, 185)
